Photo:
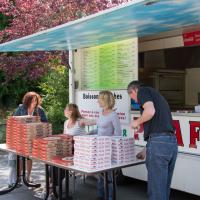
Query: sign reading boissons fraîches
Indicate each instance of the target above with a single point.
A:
(89, 107)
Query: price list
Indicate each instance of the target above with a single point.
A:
(110, 66)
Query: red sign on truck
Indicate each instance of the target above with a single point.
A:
(187, 131)
(191, 38)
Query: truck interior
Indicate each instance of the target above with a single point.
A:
(174, 71)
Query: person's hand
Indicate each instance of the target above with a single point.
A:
(134, 125)
(142, 154)
(81, 123)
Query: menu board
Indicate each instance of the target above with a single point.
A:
(110, 66)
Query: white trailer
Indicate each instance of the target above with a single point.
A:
(186, 174)
(159, 20)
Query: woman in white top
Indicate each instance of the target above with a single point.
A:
(72, 125)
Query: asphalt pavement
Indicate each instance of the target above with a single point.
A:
(131, 190)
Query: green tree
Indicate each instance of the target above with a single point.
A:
(54, 89)
(4, 21)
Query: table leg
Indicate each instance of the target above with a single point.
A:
(24, 175)
(106, 192)
(114, 184)
(67, 185)
(59, 184)
(47, 181)
(54, 178)
(5, 191)
(74, 180)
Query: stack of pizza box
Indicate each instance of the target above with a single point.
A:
(21, 130)
(92, 152)
(28, 132)
(63, 160)
(13, 128)
(48, 148)
(122, 150)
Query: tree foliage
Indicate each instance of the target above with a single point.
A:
(20, 71)
(23, 17)
(54, 87)
(30, 16)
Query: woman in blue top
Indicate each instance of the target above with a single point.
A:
(30, 106)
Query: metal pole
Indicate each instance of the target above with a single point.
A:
(71, 78)
(47, 181)
(54, 180)
(114, 184)
(67, 184)
(59, 184)
(106, 192)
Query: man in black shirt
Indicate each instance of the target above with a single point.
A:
(161, 149)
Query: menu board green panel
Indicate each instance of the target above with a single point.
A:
(110, 66)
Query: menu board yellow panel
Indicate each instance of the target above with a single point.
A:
(110, 66)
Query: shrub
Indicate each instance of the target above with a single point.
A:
(54, 89)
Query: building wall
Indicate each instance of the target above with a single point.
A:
(192, 86)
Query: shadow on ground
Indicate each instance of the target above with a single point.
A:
(131, 190)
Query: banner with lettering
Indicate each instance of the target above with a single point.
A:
(187, 133)
(89, 107)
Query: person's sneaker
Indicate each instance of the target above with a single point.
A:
(10, 185)
(18, 185)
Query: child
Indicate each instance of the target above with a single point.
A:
(72, 125)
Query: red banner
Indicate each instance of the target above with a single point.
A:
(192, 38)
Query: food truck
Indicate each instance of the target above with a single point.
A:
(156, 42)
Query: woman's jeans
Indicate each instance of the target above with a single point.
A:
(100, 186)
(161, 156)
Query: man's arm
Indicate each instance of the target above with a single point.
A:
(148, 113)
